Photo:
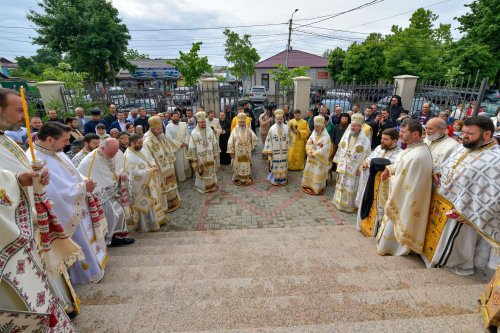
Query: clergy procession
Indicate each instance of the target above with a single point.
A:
(70, 192)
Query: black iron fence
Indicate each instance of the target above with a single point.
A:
(457, 97)
(347, 94)
(153, 99)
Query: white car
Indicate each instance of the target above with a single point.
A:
(258, 94)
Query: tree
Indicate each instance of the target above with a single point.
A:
(64, 72)
(472, 56)
(482, 27)
(419, 48)
(32, 67)
(190, 65)
(285, 75)
(240, 53)
(89, 32)
(364, 61)
(132, 54)
(336, 63)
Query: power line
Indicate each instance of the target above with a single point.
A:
(367, 4)
(388, 17)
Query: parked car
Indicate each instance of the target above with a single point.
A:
(258, 94)
(339, 93)
(491, 108)
(185, 95)
(227, 89)
(149, 104)
(491, 95)
(441, 96)
(331, 103)
(316, 94)
(116, 95)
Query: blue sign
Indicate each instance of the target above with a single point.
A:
(157, 73)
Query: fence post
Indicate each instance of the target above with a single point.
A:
(210, 96)
(302, 93)
(50, 91)
(405, 87)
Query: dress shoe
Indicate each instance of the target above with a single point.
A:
(122, 241)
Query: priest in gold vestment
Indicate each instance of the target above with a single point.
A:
(410, 184)
(156, 145)
(144, 187)
(300, 133)
(319, 147)
(352, 150)
(440, 144)
(242, 142)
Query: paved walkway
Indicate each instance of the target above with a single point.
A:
(258, 206)
(294, 264)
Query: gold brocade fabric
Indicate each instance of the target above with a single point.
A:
(368, 223)
(435, 225)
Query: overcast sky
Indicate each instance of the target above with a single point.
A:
(268, 39)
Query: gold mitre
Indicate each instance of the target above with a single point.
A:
(242, 116)
(319, 120)
(201, 116)
(357, 119)
(155, 122)
(279, 113)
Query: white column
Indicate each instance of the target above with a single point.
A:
(50, 91)
(210, 97)
(405, 87)
(302, 92)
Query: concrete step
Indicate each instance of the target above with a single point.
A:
(170, 312)
(445, 324)
(124, 291)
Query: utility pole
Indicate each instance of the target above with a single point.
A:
(289, 38)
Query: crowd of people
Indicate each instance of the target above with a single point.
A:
(414, 184)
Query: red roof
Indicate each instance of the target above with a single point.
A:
(296, 58)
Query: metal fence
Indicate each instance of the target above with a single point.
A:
(154, 99)
(458, 97)
(346, 94)
(283, 95)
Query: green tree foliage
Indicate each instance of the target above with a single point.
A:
(240, 53)
(481, 27)
(336, 63)
(190, 65)
(65, 73)
(32, 67)
(89, 32)
(419, 48)
(285, 75)
(364, 61)
(132, 54)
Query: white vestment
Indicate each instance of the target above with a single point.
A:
(242, 142)
(106, 174)
(378, 152)
(146, 205)
(24, 282)
(79, 157)
(203, 149)
(407, 208)
(351, 152)
(215, 125)
(278, 141)
(158, 148)
(470, 180)
(68, 192)
(316, 170)
(177, 134)
(441, 149)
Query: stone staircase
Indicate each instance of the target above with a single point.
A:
(304, 279)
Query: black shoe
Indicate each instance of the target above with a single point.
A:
(72, 314)
(122, 241)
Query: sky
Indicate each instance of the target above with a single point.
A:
(265, 21)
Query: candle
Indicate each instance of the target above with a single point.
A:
(28, 126)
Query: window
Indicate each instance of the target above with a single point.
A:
(265, 80)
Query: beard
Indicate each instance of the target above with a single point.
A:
(137, 148)
(384, 146)
(175, 121)
(473, 144)
(434, 137)
(354, 134)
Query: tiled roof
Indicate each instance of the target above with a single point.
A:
(296, 58)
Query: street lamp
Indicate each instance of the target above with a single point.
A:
(289, 37)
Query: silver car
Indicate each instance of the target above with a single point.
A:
(258, 94)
